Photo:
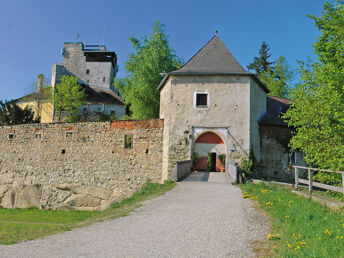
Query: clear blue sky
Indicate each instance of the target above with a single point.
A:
(33, 32)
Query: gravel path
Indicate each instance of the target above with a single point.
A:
(195, 219)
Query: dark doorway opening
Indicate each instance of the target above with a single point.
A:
(213, 161)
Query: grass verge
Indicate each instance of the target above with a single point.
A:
(26, 224)
(300, 226)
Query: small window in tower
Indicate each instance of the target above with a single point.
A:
(11, 136)
(103, 79)
(88, 71)
(202, 99)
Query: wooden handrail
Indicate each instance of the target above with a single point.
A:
(310, 181)
(319, 169)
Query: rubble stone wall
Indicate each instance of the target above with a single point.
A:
(83, 166)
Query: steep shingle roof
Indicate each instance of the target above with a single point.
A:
(214, 57)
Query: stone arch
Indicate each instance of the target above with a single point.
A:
(209, 142)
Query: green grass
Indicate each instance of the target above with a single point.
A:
(300, 226)
(25, 224)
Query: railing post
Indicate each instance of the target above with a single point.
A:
(343, 181)
(296, 177)
(310, 181)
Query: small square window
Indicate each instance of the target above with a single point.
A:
(69, 134)
(128, 141)
(88, 71)
(11, 136)
(201, 99)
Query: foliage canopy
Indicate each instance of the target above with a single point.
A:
(68, 96)
(262, 63)
(152, 57)
(317, 109)
(276, 77)
(12, 114)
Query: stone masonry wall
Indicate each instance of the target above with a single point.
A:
(274, 148)
(83, 166)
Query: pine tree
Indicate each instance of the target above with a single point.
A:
(262, 63)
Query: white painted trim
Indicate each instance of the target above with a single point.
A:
(195, 99)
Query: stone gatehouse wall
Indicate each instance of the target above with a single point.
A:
(83, 166)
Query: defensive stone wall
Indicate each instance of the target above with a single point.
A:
(83, 166)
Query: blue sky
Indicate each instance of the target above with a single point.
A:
(33, 32)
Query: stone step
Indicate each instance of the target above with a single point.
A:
(214, 177)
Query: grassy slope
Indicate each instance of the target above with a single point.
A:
(300, 226)
(25, 224)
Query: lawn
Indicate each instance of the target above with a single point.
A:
(25, 224)
(300, 226)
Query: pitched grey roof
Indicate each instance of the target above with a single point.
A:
(214, 57)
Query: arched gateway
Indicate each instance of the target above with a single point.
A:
(212, 151)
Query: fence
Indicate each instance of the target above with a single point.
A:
(311, 183)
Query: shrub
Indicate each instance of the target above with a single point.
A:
(103, 117)
(195, 158)
(222, 158)
(209, 161)
(247, 165)
(113, 117)
(73, 119)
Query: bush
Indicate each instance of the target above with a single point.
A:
(103, 117)
(222, 158)
(113, 117)
(195, 158)
(209, 161)
(247, 165)
(73, 119)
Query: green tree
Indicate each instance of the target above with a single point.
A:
(279, 80)
(262, 63)
(152, 57)
(317, 109)
(68, 96)
(276, 77)
(12, 114)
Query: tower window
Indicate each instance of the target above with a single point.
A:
(103, 79)
(88, 71)
(202, 99)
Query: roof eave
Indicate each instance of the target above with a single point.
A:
(259, 82)
(162, 83)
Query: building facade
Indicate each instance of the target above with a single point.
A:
(212, 108)
(96, 68)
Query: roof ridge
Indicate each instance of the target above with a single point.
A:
(213, 57)
(198, 51)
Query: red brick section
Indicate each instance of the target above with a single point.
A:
(70, 128)
(137, 124)
(209, 138)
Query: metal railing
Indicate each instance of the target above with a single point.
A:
(311, 183)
